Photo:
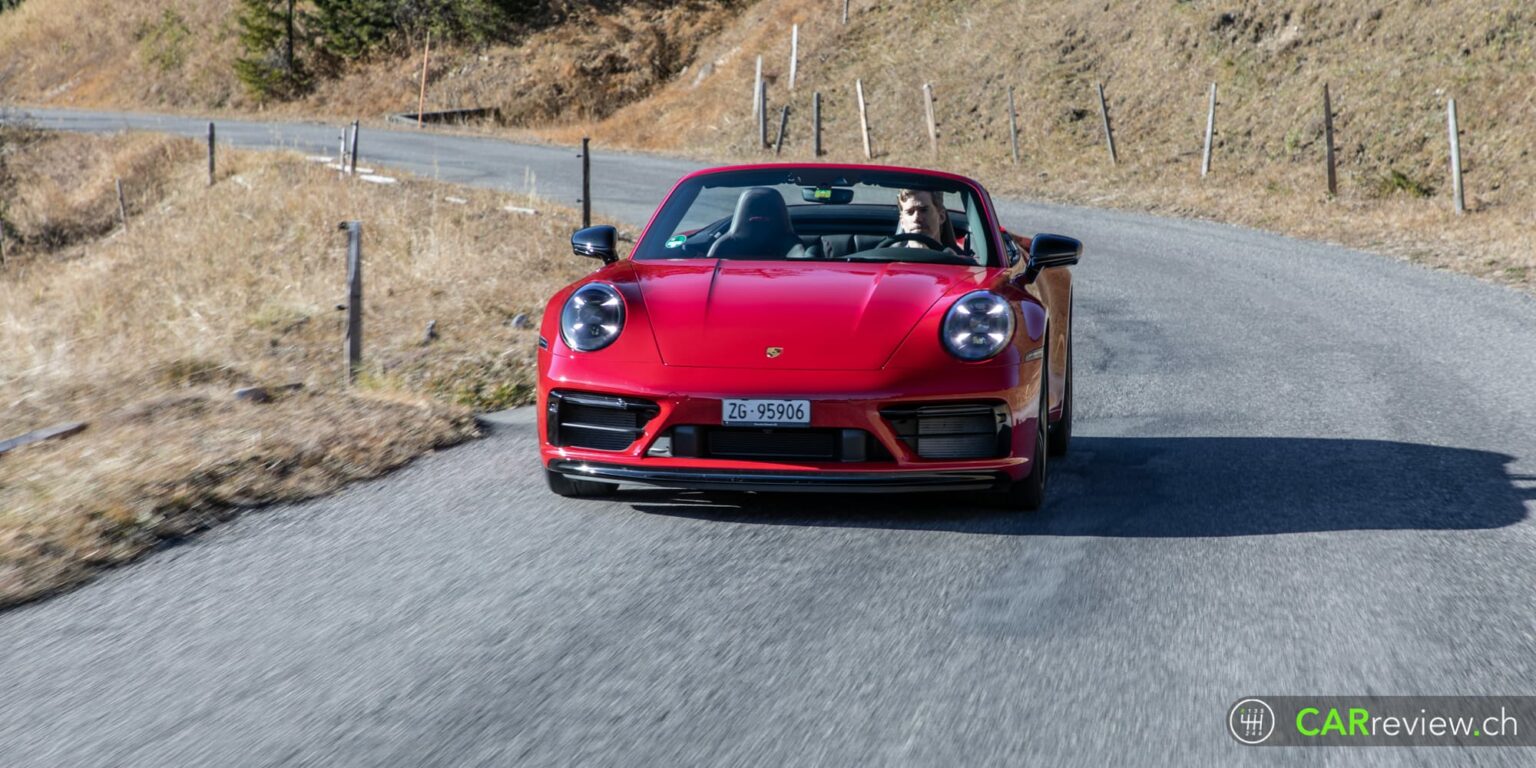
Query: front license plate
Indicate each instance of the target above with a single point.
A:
(767, 413)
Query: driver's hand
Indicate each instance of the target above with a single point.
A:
(915, 243)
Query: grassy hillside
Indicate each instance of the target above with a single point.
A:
(1391, 66)
(676, 77)
(180, 54)
(162, 53)
(145, 333)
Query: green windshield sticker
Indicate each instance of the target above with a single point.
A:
(823, 194)
(676, 241)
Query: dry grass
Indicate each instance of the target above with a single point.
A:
(148, 474)
(1391, 68)
(164, 53)
(179, 55)
(56, 193)
(586, 68)
(612, 76)
(144, 333)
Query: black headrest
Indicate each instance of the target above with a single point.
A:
(760, 211)
(760, 229)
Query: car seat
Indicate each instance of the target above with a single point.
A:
(760, 229)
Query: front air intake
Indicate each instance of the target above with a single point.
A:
(770, 444)
(952, 431)
(600, 422)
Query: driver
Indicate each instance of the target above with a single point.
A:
(922, 211)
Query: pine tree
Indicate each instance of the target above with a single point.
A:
(269, 69)
(351, 29)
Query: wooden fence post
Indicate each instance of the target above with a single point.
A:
(2, 244)
(845, 11)
(1333, 179)
(1109, 133)
(816, 122)
(1013, 125)
(794, 53)
(122, 204)
(1459, 199)
(778, 145)
(1210, 131)
(354, 340)
(858, 87)
(421, 101)
(55, 432)
(762, 115)
(352, 167)
(210, 155)
(757, 89)
(586, 182)
(933, 125)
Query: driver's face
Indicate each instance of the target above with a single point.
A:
(919, 214)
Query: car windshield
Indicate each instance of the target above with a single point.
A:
(821, 214)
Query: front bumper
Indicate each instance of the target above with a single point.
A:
(842, 400)
(778, 481)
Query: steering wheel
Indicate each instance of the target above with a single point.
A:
(903, 237)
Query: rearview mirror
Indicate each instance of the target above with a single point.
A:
(827, 195)
(1046, 251)
(596, 242)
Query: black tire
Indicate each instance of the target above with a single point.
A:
(1028, 494)
(570, 488)
(1061, 431)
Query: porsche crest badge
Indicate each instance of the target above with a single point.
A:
(775, 351)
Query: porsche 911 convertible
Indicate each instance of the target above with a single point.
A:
(775, 329)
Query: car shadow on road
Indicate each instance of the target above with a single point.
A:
(1178, 487)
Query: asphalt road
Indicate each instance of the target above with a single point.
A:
(1300, 470)
(626, 187)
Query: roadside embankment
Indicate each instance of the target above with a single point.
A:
(144, 331)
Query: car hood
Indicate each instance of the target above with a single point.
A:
(828, 316)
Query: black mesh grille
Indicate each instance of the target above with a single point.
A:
(772, 444)
(980, 423)
(600, 422)
(957, 446)
(951, 430)
(577, 436)
(776, 444)
(573, 413)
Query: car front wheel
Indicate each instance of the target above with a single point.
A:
(1061, 431)
(1028, 494)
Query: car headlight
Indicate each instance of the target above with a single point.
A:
(593, 317)
(978, 326)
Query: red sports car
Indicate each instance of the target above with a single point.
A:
(812, 328)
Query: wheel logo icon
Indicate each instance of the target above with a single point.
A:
(1251, 721)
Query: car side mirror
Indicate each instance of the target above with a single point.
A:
(1046, 251)
(597, 243)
